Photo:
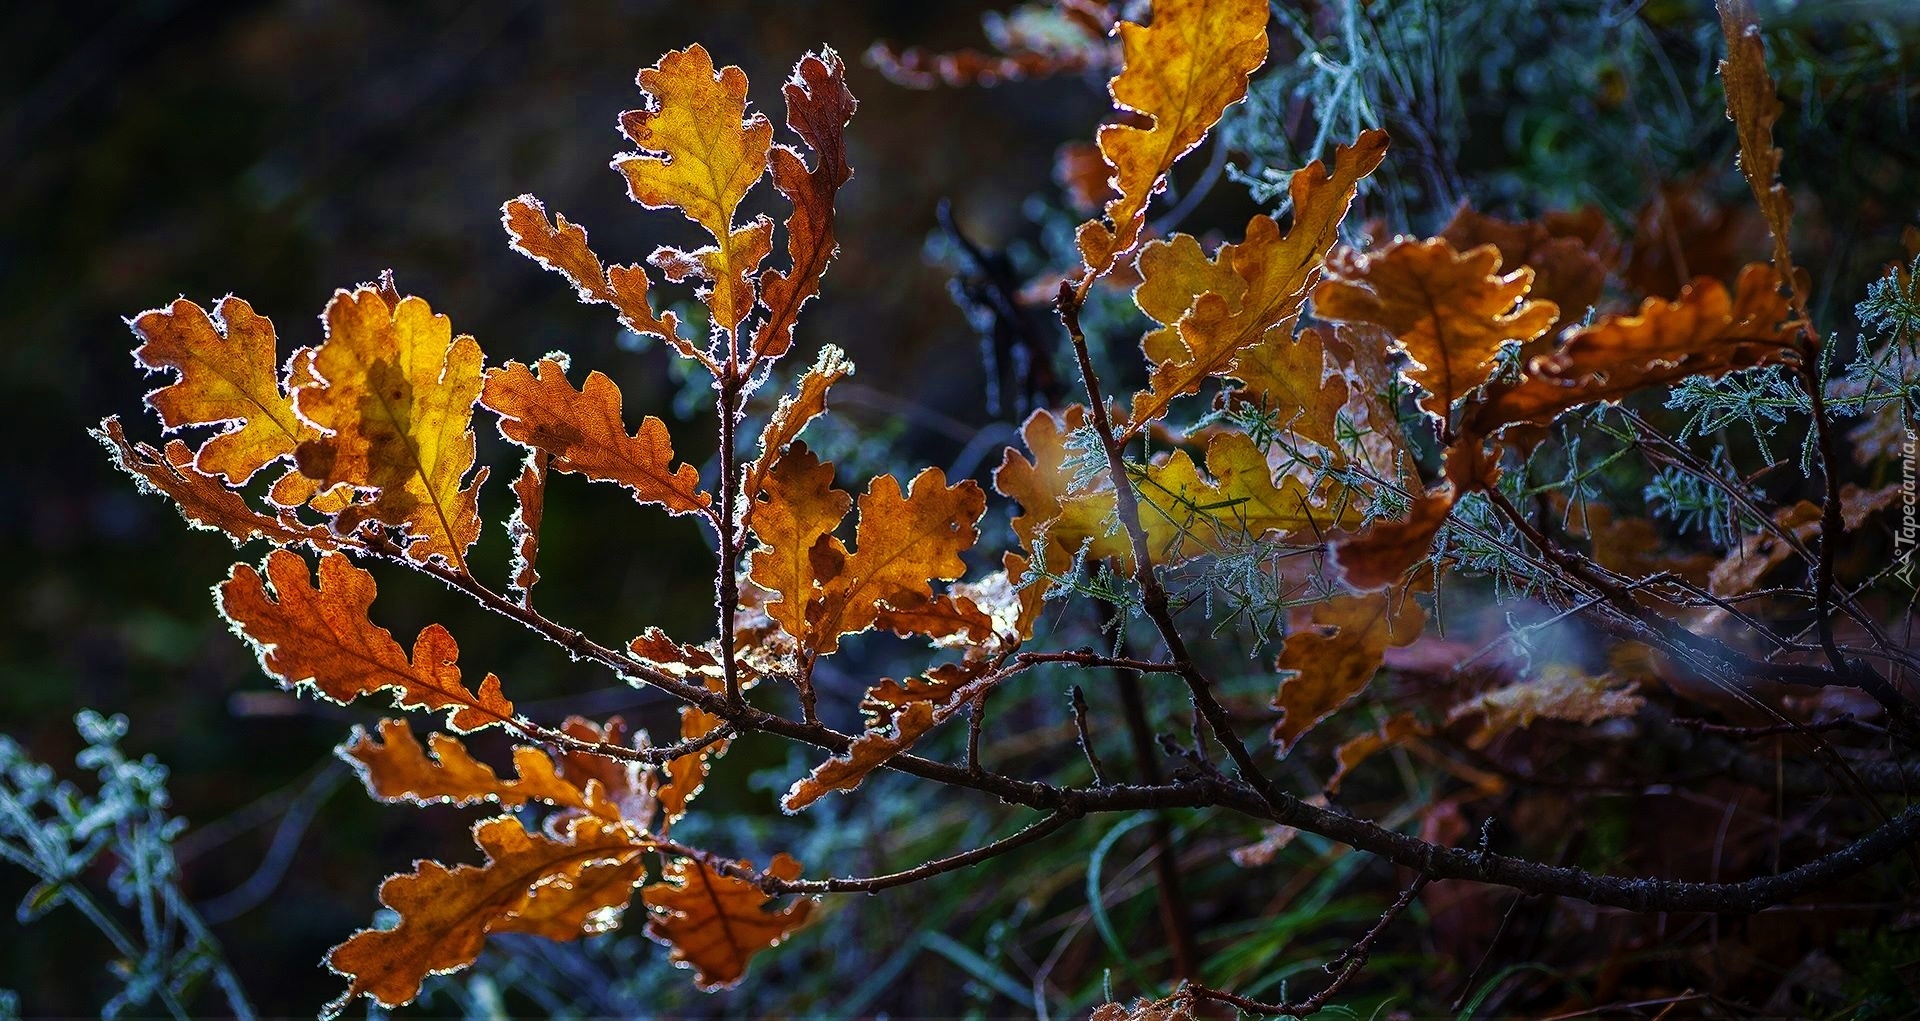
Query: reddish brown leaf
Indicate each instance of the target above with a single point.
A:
(1333, 660)
(396, 768)
(204, 500)
(562, 247)
(321, 637)
(818, 109)
(716, 923)
(584, 432)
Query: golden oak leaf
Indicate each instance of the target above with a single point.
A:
(584, 432)
(1705, 331)
(562, 247)
(1447, 310)
(1183, 71)
(807, 402)
(1212, 310)
(1396, 730)
(1185, 514)
(727, 268)
(530, 882)
(228, 375)
(716, 923)
(1754, 108)
(203, 500)
(530, 489)
(321, 636)
(818, 109)
(1042, 483)
(868, 752)
(904, 541)
(395, 767)
(799, 508)
(700, 153)
(394, 401)
(631, 787)
(686, 775)
(1334, 659)
(1559, 693)
(1292, 379)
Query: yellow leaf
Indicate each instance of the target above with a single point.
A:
(1214, 309)
(1183, 71)
(700, 153)
(394, 400)
(1041, 484)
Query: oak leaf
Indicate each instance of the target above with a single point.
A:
(558, 887)
(321, 636)
(1337, 656)
(798, 509)
(807, 402)
(715, 923)
(229, 376)
(1447, 310)
(1041, 483)
(530, 492)
(1566, 251)
(1705, 331)
(1754, 108)
(562, 247)
(1559, 693)
(818, 109)
(868, 752)
(905, 540)
(1396, 730)
(204, 500)
(1182, 71)
(394, 403)
(395, 767)
(584, 433)
(1213, 310)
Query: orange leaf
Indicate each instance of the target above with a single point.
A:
(202, 499)
(716, 923)
(530, 488)
(1183, 71)
(1042, 483)
(1446, 309)
(686, 774)
(1380, 555)
(560, 888)
(562, 247)
(322, 637)
(800, 509)
(904, 541)
(394, 400)
(1705, 331)
(1291, 379)
(796, 410)
(228, 376)
(1333, 661)
(1565, 252)
(818, 109)
(868, 752)
(584, 432)
(1214, 309)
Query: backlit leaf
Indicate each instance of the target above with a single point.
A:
(585, 434)
(1182, 72)
(818, 109)
(716, 923)
(394, 402)
(321, 636)
(1333, 660)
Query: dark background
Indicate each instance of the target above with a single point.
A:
(278, 151)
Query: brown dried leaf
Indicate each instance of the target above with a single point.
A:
(204, 500)
(228, 376)
(1559, 693)
(1334, 659)
(530, 488)
(562, 247)
(868, 752)
(797, 509)
(716, 923)
(395, 767)
(1754, 108)
(818, 109)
